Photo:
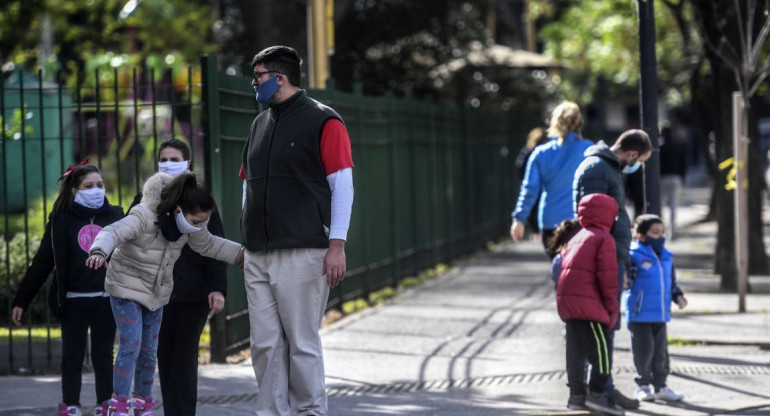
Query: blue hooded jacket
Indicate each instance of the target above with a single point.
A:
(551, 169)
(653, 285)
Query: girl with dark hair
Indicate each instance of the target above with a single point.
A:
(77, 295)
(200, 285)
(144, 246)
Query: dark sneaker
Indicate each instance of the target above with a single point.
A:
(576, 402)
(602, 403)
(619, 399)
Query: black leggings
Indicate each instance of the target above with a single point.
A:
(180, 334)
(79, 315)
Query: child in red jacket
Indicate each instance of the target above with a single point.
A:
(586, 298)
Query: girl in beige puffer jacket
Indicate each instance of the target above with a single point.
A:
(144, 247)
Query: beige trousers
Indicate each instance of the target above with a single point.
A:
(287, 297)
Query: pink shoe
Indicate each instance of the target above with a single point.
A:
(101, 409)
(117, 406)
(143, 405)
(65, 410)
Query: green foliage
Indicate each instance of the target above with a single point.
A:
(600, 38)
(13, 127)
(92, 34)
(422, 48)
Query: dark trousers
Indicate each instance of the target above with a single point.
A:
(180, 334)
(649, 349)
(545, 237)
(587, 340)
(79, 315)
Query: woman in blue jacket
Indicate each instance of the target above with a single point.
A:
(652, 288)
(550, 172)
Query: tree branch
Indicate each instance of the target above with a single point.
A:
(742, 35)
(756, 52)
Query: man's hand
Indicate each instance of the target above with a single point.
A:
(216, 303)
(517, 230)
(334, 262)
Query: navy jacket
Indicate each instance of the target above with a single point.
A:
(599, 173)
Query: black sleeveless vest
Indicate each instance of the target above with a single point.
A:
(288, 200)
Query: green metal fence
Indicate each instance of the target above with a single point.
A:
(431, 183)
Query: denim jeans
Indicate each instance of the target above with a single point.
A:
(138, 329)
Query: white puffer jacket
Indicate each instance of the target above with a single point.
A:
(142, 264)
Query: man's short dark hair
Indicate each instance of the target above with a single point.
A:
(176, 144)
(634, 139)
(645, 221)
(281, 59)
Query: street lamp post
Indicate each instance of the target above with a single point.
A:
(648, 92)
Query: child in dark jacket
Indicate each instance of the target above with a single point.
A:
(652, 288)
(77, 295)
(586, 298)
(561, 236)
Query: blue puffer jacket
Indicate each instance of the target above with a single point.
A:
(649, 299)
(551, 169)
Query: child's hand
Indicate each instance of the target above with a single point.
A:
(95, 261)
(681, 302)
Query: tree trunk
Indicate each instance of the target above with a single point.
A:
(758, 263)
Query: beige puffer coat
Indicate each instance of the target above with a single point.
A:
(142, 264)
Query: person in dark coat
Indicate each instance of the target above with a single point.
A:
(602, 172)
(200, 286)
(77, 296)
(673, 167)
(536, 137)
(586, 298)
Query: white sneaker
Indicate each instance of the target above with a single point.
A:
(644, 394)
(668, 395)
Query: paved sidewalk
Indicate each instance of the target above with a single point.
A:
(485, 340)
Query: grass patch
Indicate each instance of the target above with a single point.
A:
(38, 333)
(682, 342)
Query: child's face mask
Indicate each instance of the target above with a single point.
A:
(657, 244)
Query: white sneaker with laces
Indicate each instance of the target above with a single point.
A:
(668, 395)
(644, 394)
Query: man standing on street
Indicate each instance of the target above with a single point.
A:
(297, 167)
(601, 172)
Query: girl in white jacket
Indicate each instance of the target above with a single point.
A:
(144, 247)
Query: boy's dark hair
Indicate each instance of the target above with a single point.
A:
(561, 236)
(185, 191)
(644, 222)
(282, 59)
(178, 145)
(634, 139)
(73, 180)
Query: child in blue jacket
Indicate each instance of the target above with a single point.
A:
(651, 289)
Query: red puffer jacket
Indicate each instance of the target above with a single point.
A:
(588, 283)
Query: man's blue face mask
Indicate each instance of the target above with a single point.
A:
(266, 90)
(632, 168)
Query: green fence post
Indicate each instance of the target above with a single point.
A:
(213, 172)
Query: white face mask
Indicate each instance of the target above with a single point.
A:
(90, 198)
(184, 226)
(173, 168)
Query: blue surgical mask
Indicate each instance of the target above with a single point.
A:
(266, 90)
(656, 243)
(90, 198)
(632, 168)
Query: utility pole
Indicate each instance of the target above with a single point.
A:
(318, 41)
(740, 202)
(648, 93)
